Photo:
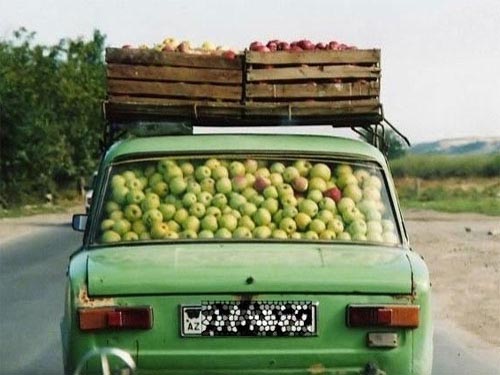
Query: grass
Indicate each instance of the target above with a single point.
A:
(36, 209)
(478, 195)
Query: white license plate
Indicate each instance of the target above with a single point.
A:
(191, 320)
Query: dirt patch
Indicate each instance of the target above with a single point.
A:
(464, 262)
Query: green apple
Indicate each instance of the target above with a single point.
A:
(315, 195)
(345, 204)
(302, 220)
(193, 186)
(277, 216)
(204, 197)
(154, 179)
(188, 234)
(262, 232)
(181, 215)
(191, 223)
(328, 204)
(325, 216)
(303, 166)
(228, 221)
(139, 227)
(128, 175)
(121, 226)
(390, 238)
(223, 233)
(320, 170)
(239, 183)
(149, 171)
(366, 205)
(371, 193)
(111, 206)
(223, 185)
(351, 214)
(187, 168)
(150, 201)
(276, 179)
(285, 189)
(173, 171)
(328, 235)
(247, 208)
(236, 200)
(288, 225)
(344, 236)
(237, 168)
(262, 217)
(220, 172)
(271, 205)
(277, 167)
(317, 226)
(164, 164)
(209, 222)
(290, 211)
(250, 179)
(361, 175)
(144, 236)
(270, 192)
(374, 182)
(174, 226)
(202, 172)
(130, 236)
(289, 200)
(380, 207)
(215, 211)
(373, 215)
(251, 165)
(198, 210)
(212, 163)
(172, 236)
(134, 183)
(358, 226)
(119, 194)
(359, 237)
(206, 234)
(208, 185)
(279, 234)
(132, 212)
(352, 191)
(296, 236)
(317, 183)
(107, 224)
(116, 215)
(159, 230)
(336, 225)
(309, 207)
(346, 179)
(257, 200)
(343, 169)
(151, 217)
(374, 226)
(242, 232)
(118, 181)
(135, 196)
(290, 174)
(167, 210)
(177, 185)
(219, 200)
(388, 225)
(247, 222)
(262, 172)
(374, 237)
(311, 235)
(189, 199)
(249, 192)
(160, 188)
(110, 236)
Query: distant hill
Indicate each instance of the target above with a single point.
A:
(469, 145)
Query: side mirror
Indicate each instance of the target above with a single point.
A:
(79, 222)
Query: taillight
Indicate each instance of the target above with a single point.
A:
(116, 318)
(402, 316)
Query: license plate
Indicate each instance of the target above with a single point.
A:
(249, 318)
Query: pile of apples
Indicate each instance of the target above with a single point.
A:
(298, 46)
(207, 48)
(244, 199)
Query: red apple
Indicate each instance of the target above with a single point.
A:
(320, 46)
(168, 48)
(300, 184)
(296, 48)
(261, 183)
(230, 55)
(333, 45)
(335, 193)
(255, 45)
(272, 46)
(283, 46)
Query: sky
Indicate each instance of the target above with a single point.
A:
(440, 58)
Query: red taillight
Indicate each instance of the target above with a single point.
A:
(116, 318)
(403, 316)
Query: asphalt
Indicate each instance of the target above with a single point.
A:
(32, 279)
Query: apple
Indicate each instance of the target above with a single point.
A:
(285, 189)
(374, 237)
(247, 222)
(346, 179)
(193, 186)
(209, 222)
(374, 182)
(150, 201)
(315, 195)
(351, 214)
(327, 203)
(261, 217)
(204, 197)
(107, 224)
(325, 216)
(239, 183)
(134, 183)
(237, 168)
(366, 205)
(177, 185)
(211, 163)
(128, 175)
(119, 194)
(288, 225)
(277, 167)
(344, 236)
(215, 211)
(334, 193)
(189, 199)
(242, 232)
(317, 226)
(388, 225)
(371, 193)
(202, 172)
(149, 171)
(151, 217)
(262, 232)
(270, 192)
(110, 236)
(220, 172)
(188, 234)
(302, 220)
(228, 221)
(345, 204)
(361, 175)
(352, 191)
(223, 185)
(118, 181)
(251, 165)
(359, 237)
(327, 235)
(181, 215)
(290, 211)
(164, 164)
(390, 238)
(229, 55)
(121, 226)
(174, 226)
(283, 46)
(145, 236)
(336, 225)
(270, 204)
(247, 208)
(236, 200)
(311, 235)
(206, 234)
(111, 206)
(289, 200)
(374, 226)
(290, 174)
(276, 179)
(160, 188)
(223, 233)
(308, 207)
(300, 184)
(343, 169)
(277, 216)
(261, 183)
(357, 227)
(191, 223)
(296, 236)
(197, 209)
(132, 212)
(279, 234)
(139, 227)
(173, 171)
(303, 166)
(257, 200)
(135, 196)
(320, 170)
(116, 215)
(130, 236)
(159, 230)
(262, 172)
(219, 200)
(208, 185)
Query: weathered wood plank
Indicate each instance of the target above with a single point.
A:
(173, 74)
(370, 56)
(152, 57)
(311, 90)
(190, 90)
(313, 72)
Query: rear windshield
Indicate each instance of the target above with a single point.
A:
(249, 198)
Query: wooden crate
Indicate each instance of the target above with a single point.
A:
(309, 78)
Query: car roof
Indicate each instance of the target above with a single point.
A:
(226, 143)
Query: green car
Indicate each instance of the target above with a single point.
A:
(247, 254)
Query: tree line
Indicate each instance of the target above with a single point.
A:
(50, 114)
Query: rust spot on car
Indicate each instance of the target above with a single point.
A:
(84, 300)
(404, 297)
(316, 369)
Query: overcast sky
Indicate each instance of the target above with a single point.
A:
(440, 58)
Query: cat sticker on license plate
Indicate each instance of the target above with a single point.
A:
(191, 321)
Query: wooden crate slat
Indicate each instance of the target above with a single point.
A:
(311, 90)
(313, 72)
(126, 87)
(370, 56)
(152, 57)
(179, 74)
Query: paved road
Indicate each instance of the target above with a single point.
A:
(32, 275)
